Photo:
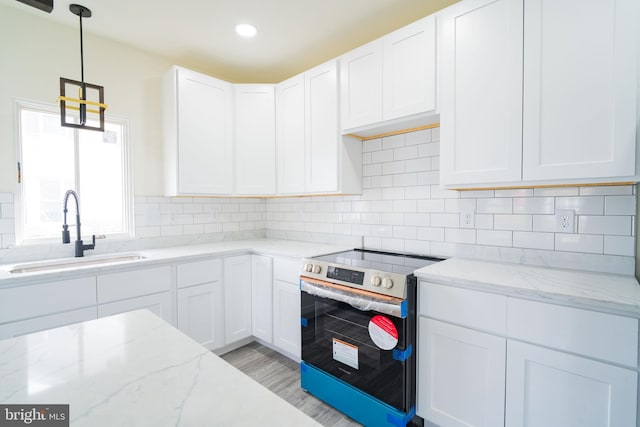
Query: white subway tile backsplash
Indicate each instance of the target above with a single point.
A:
(497, 206)
(429, 150)
(7, 211)
(417, 219)
(516, 192)
(460, 235)
(607, 190)
(405, 153)
(417, 246)
(392, 168)
(366, 158)
(612, 225)
(417, 192)
(513, 222)
(620, 205)
(428, 178)
(404, 232)
(410, 206)
(544, 223)
(418, 165)
(494, 237)
(533, 205)
(439, 193)
(382, 156)
(392, 219)
(435, 134)
(484, 221)
(395, 141)
(435, 163)
(448, 220)
(553, 192)
(619, 245)
(533, 240)
(431, 205)
(584, 205)
(472, 194)
(433, 234)
(372, 170)
(371, 145)
(418, 137)
(382, 230)
(460, 205)
(382, 181)
(404, 179)
(586, 243)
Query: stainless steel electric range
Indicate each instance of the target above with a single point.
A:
(358, 312)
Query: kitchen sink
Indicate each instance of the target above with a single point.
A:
(69, 263)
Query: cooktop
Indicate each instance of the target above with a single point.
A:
(392, 262)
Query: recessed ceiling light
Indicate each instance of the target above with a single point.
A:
(246, 30)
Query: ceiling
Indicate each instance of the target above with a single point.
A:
(293, 35)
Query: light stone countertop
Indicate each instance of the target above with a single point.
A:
(134, 369)
(276, 247)
(611, 293)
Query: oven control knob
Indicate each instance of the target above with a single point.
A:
(308, 268)
(317, 269)
(376, 280)
(387, 283)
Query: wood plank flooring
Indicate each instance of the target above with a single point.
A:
(281, 375)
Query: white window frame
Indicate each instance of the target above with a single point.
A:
(129, 232)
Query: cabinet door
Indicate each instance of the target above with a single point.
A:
(160, 304)
(461, 376)
(322, 140)
(237, 298)
(409, 69)
(286, 317)
(42, 323)
(290, 130)
(580, 88)
(361, 85)
(201, 313)
(204, 133)
(255, 139)
(481, 92)
(547, 388)
(261, 296)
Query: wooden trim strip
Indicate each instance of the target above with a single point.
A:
(386, 298)
(520, 187)
(397, 132)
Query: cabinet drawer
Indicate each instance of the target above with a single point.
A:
(198, 272)
(598, 335)
(130, 284)
(287, 269)
(50, 321)
(477, 310)
(24, 302)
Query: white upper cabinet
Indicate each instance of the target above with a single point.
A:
(255, 140)
(481, 92)
(361, 85)
(198, 134)
(580, 95)
(409, 70)
(387, 83)
(539, 92)
(290, 131)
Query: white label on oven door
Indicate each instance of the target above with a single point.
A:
(345, 353)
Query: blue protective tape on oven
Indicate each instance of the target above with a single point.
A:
(402, 355)
(355, 403)
(404, 309)
(304, 322)
(401, 421)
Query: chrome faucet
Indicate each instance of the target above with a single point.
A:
(80, 247)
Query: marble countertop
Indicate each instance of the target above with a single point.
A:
(276, 247)
(611, 293)
(135, 369)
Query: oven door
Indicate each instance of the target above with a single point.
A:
(343, 336)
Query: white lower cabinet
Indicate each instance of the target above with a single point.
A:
(547, 388)
(237, 298)
(577, 367)
(42, 323)
(201, 313)
(159, 304)
(261, 297)
(461, 375)
(286, 317)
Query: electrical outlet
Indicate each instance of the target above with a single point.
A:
(467, 219)
(565, 221)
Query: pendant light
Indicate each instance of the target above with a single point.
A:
(90, 100)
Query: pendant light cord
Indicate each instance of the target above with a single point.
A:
(81, 52)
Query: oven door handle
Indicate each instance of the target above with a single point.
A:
(357, 301)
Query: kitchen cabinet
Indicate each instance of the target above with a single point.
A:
(333, 163)
(551, 388)
(572, 118)
(136, 289)
(286, 306)
(255, 149)
(200, 301)
(489, 360)
(481, 92)
(261, 297)
(390, 79)
(312, 156)
(237, 298)
(290, 131)
(198, 134)
(50, 321)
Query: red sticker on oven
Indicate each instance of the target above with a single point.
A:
(383, 332)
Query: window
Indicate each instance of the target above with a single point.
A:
(54, 159)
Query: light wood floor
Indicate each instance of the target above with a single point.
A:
(281, 375)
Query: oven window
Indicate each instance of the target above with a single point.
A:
(336, 340)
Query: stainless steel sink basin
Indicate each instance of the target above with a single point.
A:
(69, 263)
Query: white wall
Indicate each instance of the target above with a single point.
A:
(35, 53)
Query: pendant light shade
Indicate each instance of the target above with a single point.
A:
(89, 104)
